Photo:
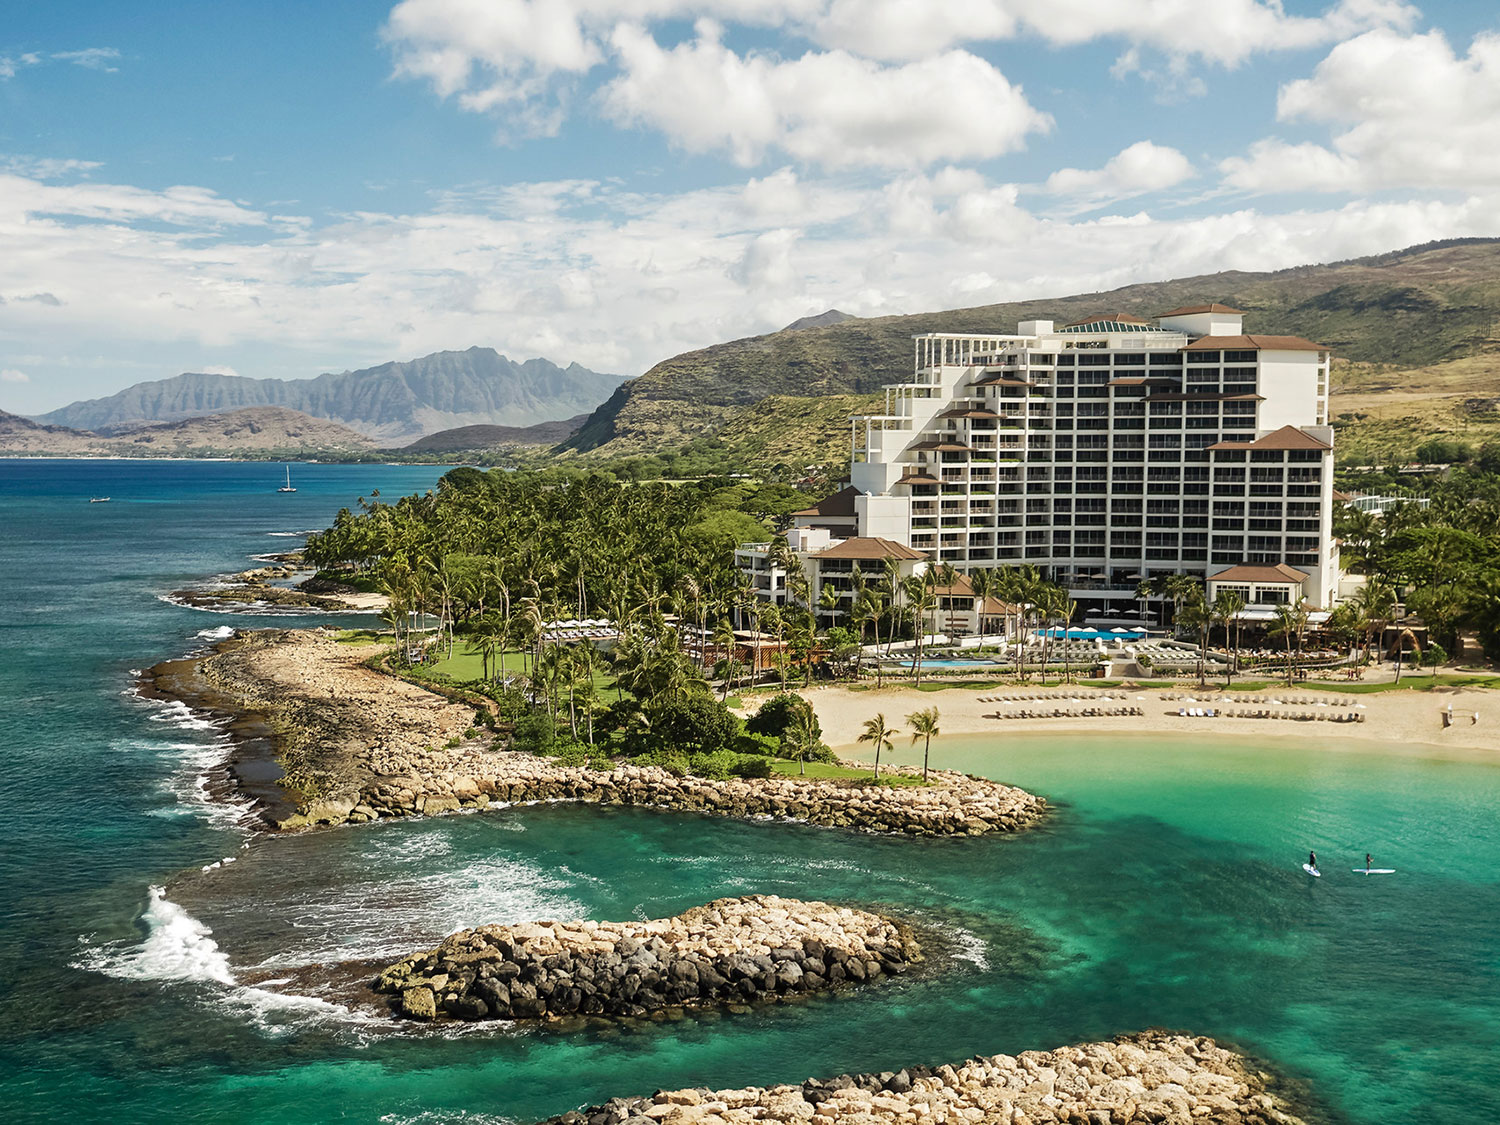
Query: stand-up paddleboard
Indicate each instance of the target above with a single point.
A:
(1313, 871)
(1374, 870)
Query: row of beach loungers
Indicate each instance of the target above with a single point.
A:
(1299, 716)
(1289, 701)
(1063, 713)
(1055, 697)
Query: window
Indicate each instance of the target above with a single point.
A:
(1240, 356)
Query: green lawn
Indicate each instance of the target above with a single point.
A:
(828, 769)
(467, 664)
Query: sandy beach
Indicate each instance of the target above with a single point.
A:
(1408, 722)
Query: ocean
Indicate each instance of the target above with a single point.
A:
(151, 946)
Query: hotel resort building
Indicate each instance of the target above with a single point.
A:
(1101, 452)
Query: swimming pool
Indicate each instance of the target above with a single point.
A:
(1093, 634)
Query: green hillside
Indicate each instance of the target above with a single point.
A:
(1413, 312)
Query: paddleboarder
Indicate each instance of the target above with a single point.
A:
(1312, 860)
(1367, 863)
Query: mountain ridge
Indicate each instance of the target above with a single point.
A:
(256, 430)
(393, 402)
(1413, 308)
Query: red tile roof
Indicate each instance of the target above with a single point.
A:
(864, 547)
(1288, 437)
(1244, 572)
(1254, 344)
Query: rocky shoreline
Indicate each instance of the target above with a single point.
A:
(1150, 1077)
(357, 745)
(258, 588)
(733, 950)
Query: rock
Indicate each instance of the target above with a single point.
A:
(419, 1003)
(1210, 1084)
(729, 950)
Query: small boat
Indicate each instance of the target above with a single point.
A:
(99, 500)
(287, 487)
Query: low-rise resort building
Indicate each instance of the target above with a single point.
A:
(1103, 453)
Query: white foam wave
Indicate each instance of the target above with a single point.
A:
(180, 715)
(966, 945)
(219, 633)
(177, 947)
(252, 609)
(193, 766)
(446, 1117)
(367, 920)
(180, 948)
(403, 848)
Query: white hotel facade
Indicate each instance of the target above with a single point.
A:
(1108, 451)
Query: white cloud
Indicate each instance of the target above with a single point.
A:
(20, 195)
(11, 375)
(216, 369)
(46, 167)
(1140, 168)
(93, 58)
(825, 108)
(10, 65)
(1411, 113)
(521, 56)
(577, 270)
(1225, 32)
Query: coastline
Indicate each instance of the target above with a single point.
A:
(1405, 722)
(356, 745)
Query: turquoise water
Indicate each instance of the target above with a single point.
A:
(1165, 891)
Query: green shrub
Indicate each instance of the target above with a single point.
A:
(534, 733)
(673, 761)
(775, 715)
(696, 723)
(718, 764)
(752, 765)
(767, 744)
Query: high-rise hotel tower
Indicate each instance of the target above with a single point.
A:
(1108, 451)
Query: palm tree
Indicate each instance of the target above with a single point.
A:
(1291, 620)
(1226, 611)
(920, 599)
(924, 725)
(801, 737)
(1143, 592)
(879, 735)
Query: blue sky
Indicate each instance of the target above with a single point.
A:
(280, 189)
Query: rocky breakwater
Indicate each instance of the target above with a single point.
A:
(1152, 1077)
(733, 950)
(357, 745)
(953, 805)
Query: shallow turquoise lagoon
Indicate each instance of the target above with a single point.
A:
(1165, 891)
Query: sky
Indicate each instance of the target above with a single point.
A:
(280, 189)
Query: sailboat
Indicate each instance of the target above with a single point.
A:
(287, 487)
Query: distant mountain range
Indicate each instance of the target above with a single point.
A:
(1425, 317)
(473, 438)
(393, 403)
(257, 431)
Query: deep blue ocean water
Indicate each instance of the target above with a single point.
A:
(137, 986)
